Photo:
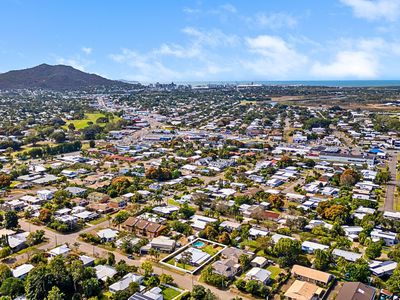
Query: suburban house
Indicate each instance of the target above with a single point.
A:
(98, 197)
(197, 256)
(61, 250)
(302, 290)
(22, 270)
(124, 283)
(382, 268)
(347, 255)
(388, 237)
(226, 267)
(311, 275)
(259, 261)
(258, 274)
(310, 247)
(118, 202)
(356, 291)
(103, 272)
(107, 235)
(143, 227)
(163, 243)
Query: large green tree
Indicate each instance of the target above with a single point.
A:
(287, 251)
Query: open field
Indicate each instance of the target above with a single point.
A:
(90, 117)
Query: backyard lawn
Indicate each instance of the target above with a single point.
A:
(169, 293)
(210, 249)
(274, 271)
(173, 262)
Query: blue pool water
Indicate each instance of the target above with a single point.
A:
(199, 244)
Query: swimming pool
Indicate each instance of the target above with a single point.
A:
(199, 244)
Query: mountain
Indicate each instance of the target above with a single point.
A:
(58, 77)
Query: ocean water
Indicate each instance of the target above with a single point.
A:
(330, 83)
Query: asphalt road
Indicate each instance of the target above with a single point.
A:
(391, 186)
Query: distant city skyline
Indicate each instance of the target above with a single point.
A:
(183, 41)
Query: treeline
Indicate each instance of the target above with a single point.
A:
(51, 150)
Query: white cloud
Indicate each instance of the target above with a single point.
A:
(229, 8)
(71, 62)
(272, 20)
(145, 66)
(221, 11)
(274, 57)
(76, 61)
(375, 9)
(357, 58)
(348, 64)
(87, 50)
(150, 67)
(212, 38)
(191, 11)
(197, 59)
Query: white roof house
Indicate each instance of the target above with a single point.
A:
(310, 247)
(259, 261)
(391, 215)
(362, 211)
(254, 232)
(125, 282)
(230, 225)
(17, 239)
(315, 223)
(30, 199)
(86, 260)
(390, 238)
(22, 270)
(61, 250)
(165, 210)
(258, 274)
(200, 222)
(347, 255)
(198, 257)
(154, 294)
(163, 243)
(45, 194)
(381, 268)
(107, 234)
(104, 272)
(352, 231)
(276, 237)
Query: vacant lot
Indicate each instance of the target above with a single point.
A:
(90, 117)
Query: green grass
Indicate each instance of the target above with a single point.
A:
(14, 183)
(251, 244)
(105, 296)
(90, 117)
(169, 293)
(211, 250)
(180, 265)
(98, 220)
(183, 294)
(173, 202)
(275, 271)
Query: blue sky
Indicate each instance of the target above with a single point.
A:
(169, 40)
